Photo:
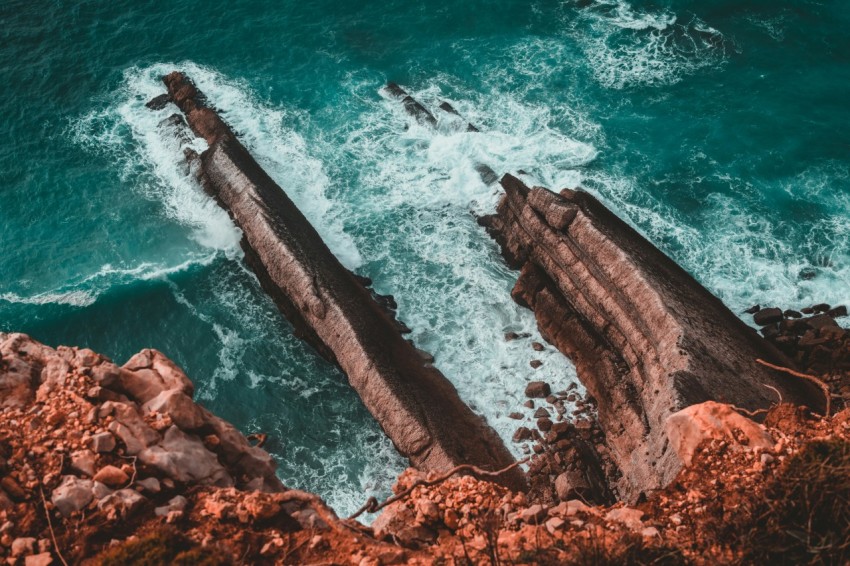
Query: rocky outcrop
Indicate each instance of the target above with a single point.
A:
(414, 403)
(426, 118)
(646, 338)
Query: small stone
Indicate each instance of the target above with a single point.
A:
(177, 503)
(650, 532)
(100, 491)
(544, 424)
(535, 363)
(837, 311)
(629, 517)
(533, 514)
(121, 504)
(554, 524)
(22, 546)
(529, 404)
(158, 102)
(151, 485)
(428, 509)
(537, 346)
(522, 434)
(83, 461)
(515, 416)
(767, 316)
(753, 309)
(43, 559)
(537, 389)
(112, 477)
(541, 413)
(766, 459)
(103, 442)
(451, 519)
(72, 495)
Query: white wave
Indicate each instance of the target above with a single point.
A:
(85, 291)
(627, 47)
(263, 128)
(73, 298)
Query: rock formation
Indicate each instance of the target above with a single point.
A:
(646, 338)
(425, 117)
(414, 403)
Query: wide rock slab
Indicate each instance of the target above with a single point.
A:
(417, 407)
(647, 339)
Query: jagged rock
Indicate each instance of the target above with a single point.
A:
(538, 389)
(392, 519)
(83, 461)
(175, 504)
(72, 495)
(629, 517)
(103, 442)
(179, 406)
(533, 514)
(768, 316)
(124, 503)
(691, 426)
(158, 102)
(23, 545)
(646, 338)
(541, 413)
(100, 490)
(150, 485)
(570, 484)
(185, 459)
(112, 477)
(130, 427)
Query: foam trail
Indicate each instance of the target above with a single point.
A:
(627, 47)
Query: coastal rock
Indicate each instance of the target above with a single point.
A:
(646, 338)
(538, 390)
(184, 458)
(73, 494)
(418, 408)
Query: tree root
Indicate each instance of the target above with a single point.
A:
(827, 396)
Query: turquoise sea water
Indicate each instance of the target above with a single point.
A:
(719, 129)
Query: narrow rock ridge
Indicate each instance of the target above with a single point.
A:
(418, 408)
(646, 338)
(425, 117)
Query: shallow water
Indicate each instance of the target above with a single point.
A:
(718, 130)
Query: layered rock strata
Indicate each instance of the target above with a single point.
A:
(417, 407)
(646, 338)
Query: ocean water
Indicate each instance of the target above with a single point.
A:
(718, 129)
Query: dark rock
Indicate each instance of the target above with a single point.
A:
(488, 176)
(808, 273)
(820, 307)
(522, 434)
(529, 404)
(537, 389)
(158, 102)
(544, 424)
(535, 363)
(819, 321)
(753, 309)
(770, 331)
(767, 316)
(807, 310)
(541, 412)
(837, 311)
(792, 314)
(537, 346)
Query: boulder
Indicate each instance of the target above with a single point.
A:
(538, 389)
(690, 427)
(73, 494)
(184, 458)
(112, 477)
(103, 442)
(768, 316)
(183, 411)
(83, 461)
(571, 484)
(123, 504)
